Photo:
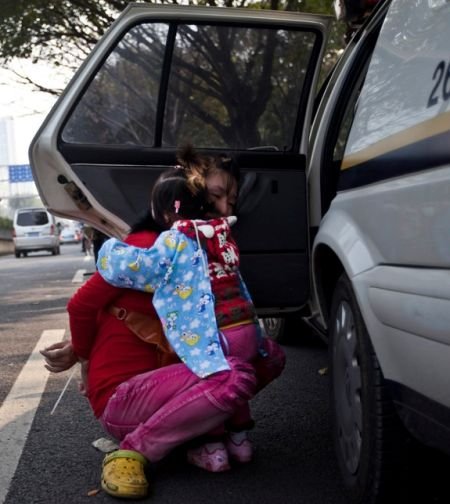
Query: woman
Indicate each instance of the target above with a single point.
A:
(222, 186)
(120, 363)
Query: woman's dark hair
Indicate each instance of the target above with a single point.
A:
(178, 192)
(185, 183)
(146, 222)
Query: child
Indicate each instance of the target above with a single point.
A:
(193, 269)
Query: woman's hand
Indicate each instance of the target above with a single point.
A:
(59, 356)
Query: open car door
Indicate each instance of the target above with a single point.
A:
(237, 81)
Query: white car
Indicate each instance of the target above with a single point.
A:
(34, 229)
(344, 211)
(70, 234)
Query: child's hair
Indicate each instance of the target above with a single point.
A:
(180, 192)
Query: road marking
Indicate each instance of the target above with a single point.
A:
(81, 275)
(18, 410)
(78, 277)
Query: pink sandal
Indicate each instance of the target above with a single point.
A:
(212, 457)
(239, 447)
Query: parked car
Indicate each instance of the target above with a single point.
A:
(34, 229)
(70, 234)
(344, 210)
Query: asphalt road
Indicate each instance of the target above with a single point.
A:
(294, 461)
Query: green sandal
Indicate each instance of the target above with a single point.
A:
(123, 474)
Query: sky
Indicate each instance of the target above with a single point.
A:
(26, 106)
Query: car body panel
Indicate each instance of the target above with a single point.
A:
(407, 311)
(388, 224)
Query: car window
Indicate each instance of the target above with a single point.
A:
(212, 85)
(342, 119)
(347, 119)
(242, 86)
(119, 107)
(32, 219)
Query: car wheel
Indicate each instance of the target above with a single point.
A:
(368, 436)
(17, 253)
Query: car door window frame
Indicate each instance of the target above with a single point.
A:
(299, 124)
(348, 97)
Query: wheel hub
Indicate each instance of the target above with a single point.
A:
(347, 387)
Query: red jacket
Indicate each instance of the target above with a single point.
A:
(115, 354)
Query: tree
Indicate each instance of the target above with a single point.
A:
(231, 87)
(62, 32)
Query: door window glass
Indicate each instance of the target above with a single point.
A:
(235, 87)
(119, 107)
(212, 85)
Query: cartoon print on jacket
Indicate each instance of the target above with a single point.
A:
(182, 297)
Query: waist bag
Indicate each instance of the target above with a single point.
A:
(148, 329)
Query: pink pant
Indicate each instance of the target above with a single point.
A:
(154, 412)
(270, 367)
(242, 342)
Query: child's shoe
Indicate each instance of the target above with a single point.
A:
(123, 474)
(239, 447)
(212, 457)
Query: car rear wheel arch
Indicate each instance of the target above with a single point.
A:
(327, 270)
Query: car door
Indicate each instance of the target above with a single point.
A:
(235, 81)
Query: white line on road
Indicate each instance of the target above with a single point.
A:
(82, 275)
(18, 410)
(78, 277)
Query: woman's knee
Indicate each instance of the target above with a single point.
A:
(242, 378)
(232, 389)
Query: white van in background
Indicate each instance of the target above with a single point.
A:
(34, 230)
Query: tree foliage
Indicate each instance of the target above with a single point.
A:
(227, 86)
(62, 32)
(232, 87)
(5, 223)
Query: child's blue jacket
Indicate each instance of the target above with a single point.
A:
(176, 270)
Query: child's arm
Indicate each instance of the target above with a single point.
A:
(137, 268)
(181, 293)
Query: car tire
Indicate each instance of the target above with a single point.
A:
(17, 254)
(368, 436)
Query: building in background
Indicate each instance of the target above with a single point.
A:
(17, 188)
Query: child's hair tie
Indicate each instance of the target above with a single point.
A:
(177, 205)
